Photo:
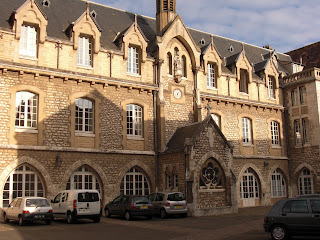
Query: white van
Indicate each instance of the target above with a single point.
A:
(76, 204)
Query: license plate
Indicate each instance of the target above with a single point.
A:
(179, 206)
(144, 207)
(83, 210)
(39, 216)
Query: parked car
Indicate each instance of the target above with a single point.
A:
(28, 209)
(129, 206)
(296, 216)
(77, 204)
(169, 203)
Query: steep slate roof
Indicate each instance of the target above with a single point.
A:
(191, 131)
(62, 13)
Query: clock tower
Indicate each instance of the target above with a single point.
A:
(166, 12)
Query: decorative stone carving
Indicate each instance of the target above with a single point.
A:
(177, 67)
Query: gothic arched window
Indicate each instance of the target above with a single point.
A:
(211, 175)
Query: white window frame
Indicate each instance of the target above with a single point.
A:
(22, 172)
(278, 185)
(249, 186)
(211, 76)
(133, 61)
(297, 132)
(303, 95)
(305, 130)
(305, 182)
(271, 87)
(28, 42)
(26, 110)
(130, 183)
(84, 56)
(275, 133)
(246, 131)
(84, 120)
(83, 179)
(134, 120)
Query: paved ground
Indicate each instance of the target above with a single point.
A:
(245, 225)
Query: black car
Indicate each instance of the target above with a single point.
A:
(292, 217)
(129, 206)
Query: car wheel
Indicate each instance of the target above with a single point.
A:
(48, 222)
(279, 232)
(6, 219)
(107, 213)
(127, 215)
(70, 218)
(163, 214)
(21, 221)
(96, 219)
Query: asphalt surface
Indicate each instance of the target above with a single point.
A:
(247, 224)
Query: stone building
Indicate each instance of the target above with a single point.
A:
(94, 97)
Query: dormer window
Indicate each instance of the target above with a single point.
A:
(85, 51)
(202, 42)
(211, 76)
(231, 48)
(93, 14)
(28, 41)
(46, 3)
(133, 61)
(244, 81)
(271, 87)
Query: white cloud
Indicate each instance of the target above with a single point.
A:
(285, 25)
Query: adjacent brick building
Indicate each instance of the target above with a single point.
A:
(94, 97)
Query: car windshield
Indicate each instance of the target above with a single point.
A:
(88, 197)
(141, 200)
(176, 197)
(37, 203)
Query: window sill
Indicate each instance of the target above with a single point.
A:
(26, 130)
(136, 138)
(271, 99)
(212, 88)
(247, 145)
(205, 190)
(244, 93)
(28, 58)
(134, 75)
(85, 67)
(276, 146)
(303, 145)
(84, 134)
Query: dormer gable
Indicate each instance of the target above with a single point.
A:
(134, 36)
(211, 54)
(177, 29)
(242, 62)
(30, 13)
(86, 25)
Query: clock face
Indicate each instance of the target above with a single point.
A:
(177, 93)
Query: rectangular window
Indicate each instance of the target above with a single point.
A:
(211, 78)
(246, 130)
(243, 85)
(26, 110)
(305, 130)
(134, 120)
(271, 87)
(275, 137)
(28, 41)
(294, 97)
(84, 51)
(133, 60)
(297, 130)
(84, 120)
(303, 95)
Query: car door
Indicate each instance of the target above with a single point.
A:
(17, 209)
(9, 210)
(56, 206)
(315, 208)
(152, 198)
(63, 202)
(124, 205)
(297, 216)
(158, 202)
(114, 206)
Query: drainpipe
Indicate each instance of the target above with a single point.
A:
(155, 139)
(286, 115)
(111, 56)
(58, 46)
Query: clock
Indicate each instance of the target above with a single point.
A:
(177, 93)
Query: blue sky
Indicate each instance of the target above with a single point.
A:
(283, 24)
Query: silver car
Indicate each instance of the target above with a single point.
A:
(169, 203)
(28, 209)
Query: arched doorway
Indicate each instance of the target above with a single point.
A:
(84, 178)
(135, 182)
(249, 189)
(305, 182)
(22, 182)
